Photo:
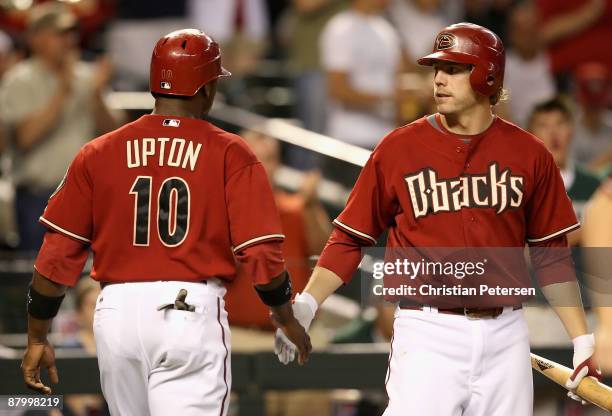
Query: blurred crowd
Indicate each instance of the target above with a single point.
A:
(344, 68)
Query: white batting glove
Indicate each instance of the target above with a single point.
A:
(584, 365)
(304, 309)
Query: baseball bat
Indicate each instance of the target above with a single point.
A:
(589, 388)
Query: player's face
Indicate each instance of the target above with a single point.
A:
(555, 130)
(453, 92)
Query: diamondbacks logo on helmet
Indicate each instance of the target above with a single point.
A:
(445, 41)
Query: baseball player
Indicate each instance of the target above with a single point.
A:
(462, 177)
(170, 206)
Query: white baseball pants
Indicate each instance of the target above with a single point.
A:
(449, 365)
(168, 362)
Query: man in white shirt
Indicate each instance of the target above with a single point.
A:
(528, 77)
(360, 52)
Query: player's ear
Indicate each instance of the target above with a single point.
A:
(210, 89)
(208, 92)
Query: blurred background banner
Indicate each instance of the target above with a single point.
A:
(316, 85)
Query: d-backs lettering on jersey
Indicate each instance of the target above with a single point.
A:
(165, 199)
(495, 189)
(433, 188)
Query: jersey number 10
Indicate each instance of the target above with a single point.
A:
(172, 210)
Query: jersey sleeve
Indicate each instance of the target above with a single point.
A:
(69, 210)
(61, 259)
(552, 261)
(262, 262)
(549, 210)
(341, 255)
(252, 212)
(371, 205)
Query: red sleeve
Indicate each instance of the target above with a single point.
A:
(371, 205)
(61, 259)
(552, 261)
(342, 254)
(262, 262)
(252, 212)
(549, 210)
(69, 210)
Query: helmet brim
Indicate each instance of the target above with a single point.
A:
(225, 73)
(446, 56)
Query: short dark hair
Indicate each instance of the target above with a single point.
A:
(171, 97)
(558, 103)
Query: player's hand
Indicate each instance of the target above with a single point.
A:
(584, 365)
(37, 355)
(285, 346)
(291, 338)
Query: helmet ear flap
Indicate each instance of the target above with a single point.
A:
(478, 79)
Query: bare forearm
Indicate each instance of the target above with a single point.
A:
(353, 98)
(33, 128)
(308, 6)
(322, 284)
(318, 227)
(568, 24)
(105, 120)
(565, 300)
(37, 328)
(341, 90)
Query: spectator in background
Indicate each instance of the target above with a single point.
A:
(361, 54)
(597, 232)
(85, 296)
(552, 122)
(241, 27)
(91, 14)
(575, 31)
(141, 23)
(417, 23)
(593, 143)
(528, 78)
(8, 55)
(52, 104)
(8, 230)
(306, 227)
(306, 23)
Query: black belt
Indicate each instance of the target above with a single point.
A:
(474, 313)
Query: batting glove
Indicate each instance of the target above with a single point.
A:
(584, 365)
(304, 309)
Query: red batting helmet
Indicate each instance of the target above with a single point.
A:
(467, 43)
(183, 61)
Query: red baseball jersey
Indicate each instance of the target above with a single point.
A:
(165, 198)
(434, 188)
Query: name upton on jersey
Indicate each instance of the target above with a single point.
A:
(495, 189)
(164, 151)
